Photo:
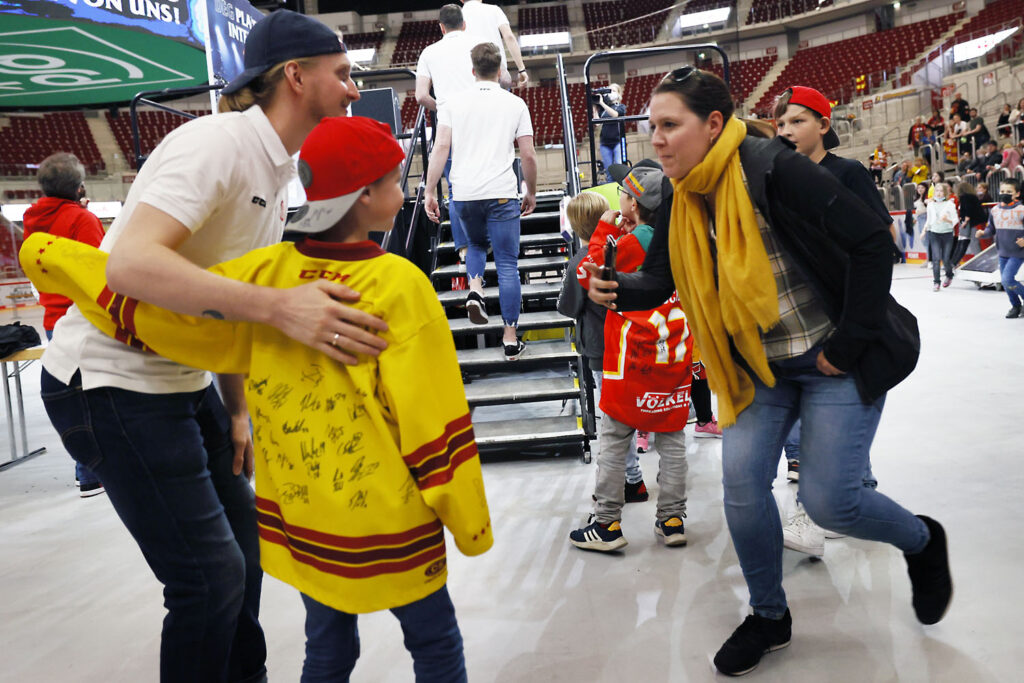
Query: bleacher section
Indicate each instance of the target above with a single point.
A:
(744, 75)
(361, 41)
(30, 139)
(770, 10)
(834, 68)
(991, 19)
(153, 126)
(31, 195)
(624, 22)
(543, 19)
(414, 36)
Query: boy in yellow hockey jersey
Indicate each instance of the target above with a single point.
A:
(358, 469)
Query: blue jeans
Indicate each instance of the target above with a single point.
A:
(792, 449)
(165, 461)
(458, 233)
(836, 438)
(1008, 268)
(495, 221)
(610, 155)
(431, 633)
(83, 474)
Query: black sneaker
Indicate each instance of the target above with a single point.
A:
(1014, 312)
(601, 537)
(793, 470)
(90, 490)
(513, 351)
(672, 531)
(636, 493)
(476, 309)
(756, 637)
(929, 575)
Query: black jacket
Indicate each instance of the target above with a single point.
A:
(980, 164)
(972, 211)
(841, 247)
(573, 302)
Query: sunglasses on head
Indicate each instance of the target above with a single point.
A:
(681, 74)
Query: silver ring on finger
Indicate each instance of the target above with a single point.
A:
(334, 342)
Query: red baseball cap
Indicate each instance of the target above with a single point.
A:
(818, 103)
(337, 161)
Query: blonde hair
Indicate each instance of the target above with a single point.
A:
(261, 89)
(584, 212)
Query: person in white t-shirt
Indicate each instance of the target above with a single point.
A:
(175, 460)
(482, 127)
(447, 67)
(490, 23)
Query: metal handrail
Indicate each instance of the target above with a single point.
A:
(640, 52)
(572, 173)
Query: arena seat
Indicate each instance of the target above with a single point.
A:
(992, 18)
(362, 41)
(412, 38)
(543, 19)
(771, 10)
(834, 68)
(153, 126)
(30, 139)
(624, 22)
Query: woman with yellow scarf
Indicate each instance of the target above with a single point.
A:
(784, 277)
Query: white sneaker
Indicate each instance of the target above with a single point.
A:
(833, 534)
(803, 535)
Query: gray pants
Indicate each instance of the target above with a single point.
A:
(634, 475)
(616, 440)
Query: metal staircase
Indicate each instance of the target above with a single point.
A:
(548, 372)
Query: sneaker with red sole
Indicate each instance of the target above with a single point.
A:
(708, 430)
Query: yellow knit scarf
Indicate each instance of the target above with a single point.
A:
(746, 297)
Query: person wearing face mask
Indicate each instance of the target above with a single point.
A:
(942, 218)
(609, 106)
(784, 277)
(1006, 224)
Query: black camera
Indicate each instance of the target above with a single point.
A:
(598, 94)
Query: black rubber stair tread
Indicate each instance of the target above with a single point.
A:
(536, 352)
(517, 390)
(498, 433)
(539, 239)
(527, 321)
(525, 265)
(534, 290)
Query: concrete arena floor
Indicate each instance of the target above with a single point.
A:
(78, 603)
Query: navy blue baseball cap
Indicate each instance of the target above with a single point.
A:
(281, 36)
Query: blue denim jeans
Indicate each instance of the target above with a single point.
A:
(458, 233)
(495, 221)
(165, 461)
(792, 449)
(83, 474)
(1008, 268)
(610, 155)
(836, 438)
(431, 633)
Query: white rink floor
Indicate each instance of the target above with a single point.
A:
(78, 603)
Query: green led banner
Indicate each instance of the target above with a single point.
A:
(58, 63)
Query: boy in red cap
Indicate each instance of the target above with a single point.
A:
(356, 474)
(804, 117)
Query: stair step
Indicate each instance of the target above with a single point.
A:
(534, 290)
(526, 265)
(538, 216)
(527, 321)
(516, 390)
(534, 241)
(499, 433)
(537, 352)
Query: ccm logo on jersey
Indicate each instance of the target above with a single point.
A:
(661, 402)
(328, 275)
(260, 201)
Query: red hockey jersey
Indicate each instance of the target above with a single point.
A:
(647, 354)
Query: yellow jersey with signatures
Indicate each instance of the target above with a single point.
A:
(358, 468)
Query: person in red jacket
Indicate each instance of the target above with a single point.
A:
(60, 213)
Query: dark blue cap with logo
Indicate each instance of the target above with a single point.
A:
(281, 36)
